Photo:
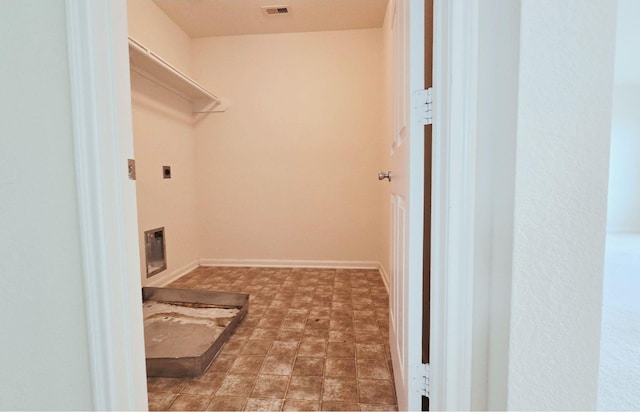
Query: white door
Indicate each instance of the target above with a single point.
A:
(407, 180)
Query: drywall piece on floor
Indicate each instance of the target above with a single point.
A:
(185, 329)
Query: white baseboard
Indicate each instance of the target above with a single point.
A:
(385, 277)
(166, 278)
(329, 264)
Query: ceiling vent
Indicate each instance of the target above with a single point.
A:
(275, 10)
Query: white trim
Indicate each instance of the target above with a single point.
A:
(166, 278)
(455, 84)
(328, 264)
(385, 277)
(113, 302)
(415, 207)
(622, 230)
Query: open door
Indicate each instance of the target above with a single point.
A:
(407, 202)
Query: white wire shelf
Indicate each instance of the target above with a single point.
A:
(153, 67)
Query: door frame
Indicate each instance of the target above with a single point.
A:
(100, 95)
(101, 105)
(453, 206)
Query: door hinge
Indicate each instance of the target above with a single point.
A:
(425, 379)
(422, 106)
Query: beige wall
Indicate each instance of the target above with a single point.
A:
(163, 129)
(151, 27)
(44, 356)
(289, 171)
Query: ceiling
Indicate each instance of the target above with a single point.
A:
(205, 18)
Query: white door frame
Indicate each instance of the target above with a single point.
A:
(103, 140)
(453, 208)
(100, 94)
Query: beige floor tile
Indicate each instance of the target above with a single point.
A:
(373, 369)
(285, 349)
(277, 366)
(341, 336)
(313, 348)
(340, 367)
(318, 311)
(263, 404)
(273, 322)
(312, 333)
(376, 391)
(340, 324)
(270, 386)
(308, 366)
(206, 385)
(339, 406)
(317, 323)
(341, 350)
(234, 347)
(296, 323)
(185, 402)
(370, 351)
(247, 364)
(364, 314)
(305, 388)
(236, 385)
(370, 407)
(344, 307)
(294, 335)
(368, 337)
(160, 401)
(256, 347)
(369, 325)
(340, 390)
(299, 405)
(226, 403)
(165, 385)
(264, 334)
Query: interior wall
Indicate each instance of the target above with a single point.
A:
(289, 171)
(149, 25)
(560, 203)
(623, 213)
(44, 356)
(163, 131)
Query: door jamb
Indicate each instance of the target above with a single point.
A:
(111, 287)
(103, 139)
(453, 209)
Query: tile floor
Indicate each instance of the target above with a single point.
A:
(314, 339)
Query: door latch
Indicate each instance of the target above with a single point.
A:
(384, 175)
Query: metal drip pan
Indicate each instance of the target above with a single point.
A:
(184, 329)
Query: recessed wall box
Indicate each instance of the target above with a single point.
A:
(155, 252)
